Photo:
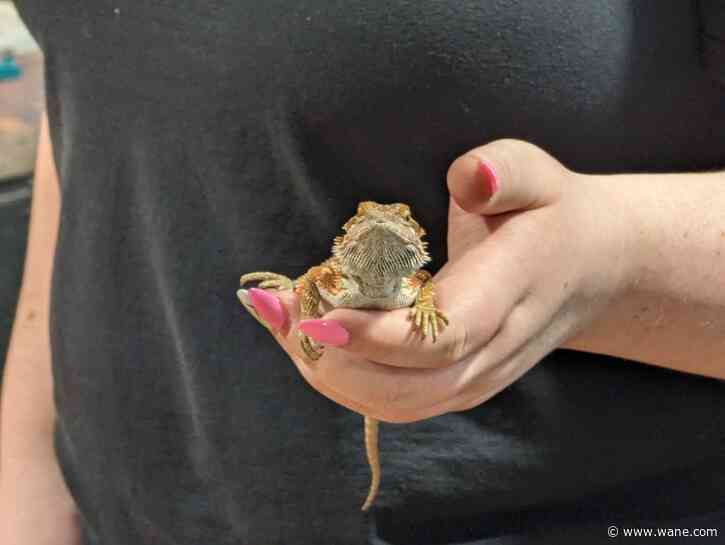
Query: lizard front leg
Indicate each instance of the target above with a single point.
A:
(309, 296)
(303, 287)
(424, 312)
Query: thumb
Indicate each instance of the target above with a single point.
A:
(504, 176)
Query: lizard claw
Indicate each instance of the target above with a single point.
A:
(428, 319)
(311, 350)
(268, 280)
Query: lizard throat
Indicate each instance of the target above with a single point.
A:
(380, 256)
(377, 287)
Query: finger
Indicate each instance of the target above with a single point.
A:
(387, 393)
(395, 394)
(390, 337)
(475, 293)
(384, 392)
(504, 176)
(530, 332)
(277, 310)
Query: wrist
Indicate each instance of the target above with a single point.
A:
(669, 310)
(621, 240)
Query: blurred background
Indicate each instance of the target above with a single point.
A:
(21, 105)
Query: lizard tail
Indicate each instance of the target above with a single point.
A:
(371, 447)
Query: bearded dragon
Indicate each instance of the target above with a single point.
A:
(375, 264)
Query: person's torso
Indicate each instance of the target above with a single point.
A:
(200, 140)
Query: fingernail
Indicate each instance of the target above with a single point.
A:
(268, 307)
(325, 331)
(490, 180)
(243, 296)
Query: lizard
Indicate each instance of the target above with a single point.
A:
(375, 264)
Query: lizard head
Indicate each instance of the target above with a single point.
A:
(381, 240)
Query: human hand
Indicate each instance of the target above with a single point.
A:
(535, 252)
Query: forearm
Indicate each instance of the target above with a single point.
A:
(27, 409)
(672, 311)
(30, 480)
(35, 506)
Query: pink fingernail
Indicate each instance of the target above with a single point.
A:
(490, 180)
(325, 331)
(268, 307)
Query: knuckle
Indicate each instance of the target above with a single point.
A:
(455, 347)
(512, 150)
(515, 145)
(506, 154)
(514, 158)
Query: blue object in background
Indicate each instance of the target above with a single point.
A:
(9, 69)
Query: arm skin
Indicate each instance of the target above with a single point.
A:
(539, 257)
(35, 506)
(672, 313)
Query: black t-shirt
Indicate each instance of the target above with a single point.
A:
(197, 140)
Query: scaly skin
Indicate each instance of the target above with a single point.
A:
(375, 264)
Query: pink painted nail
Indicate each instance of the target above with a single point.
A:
(268, 307)
(490, 179)
(325, 331)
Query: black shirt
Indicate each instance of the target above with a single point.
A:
(197, 140)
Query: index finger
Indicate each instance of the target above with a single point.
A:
(391, 337)
(474, 294)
